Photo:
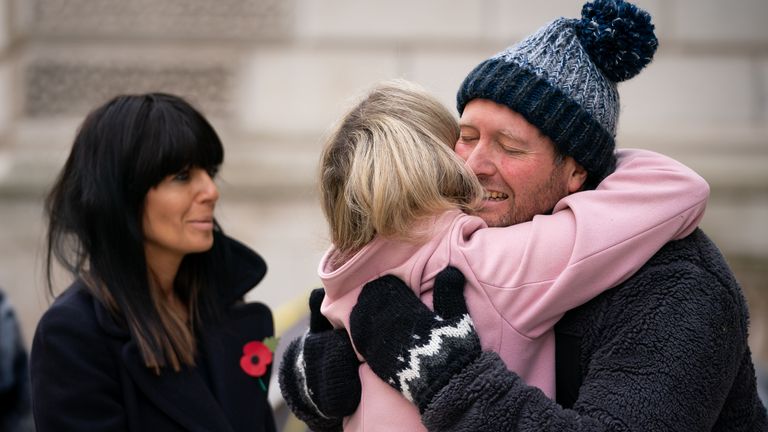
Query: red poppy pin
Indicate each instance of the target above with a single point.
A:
(257, 355)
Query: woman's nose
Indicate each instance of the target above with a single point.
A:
(209, 192)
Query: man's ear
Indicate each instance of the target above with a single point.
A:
(577, 175)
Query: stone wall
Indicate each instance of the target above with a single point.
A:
(273, 75)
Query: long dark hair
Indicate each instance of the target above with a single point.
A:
(95, 208)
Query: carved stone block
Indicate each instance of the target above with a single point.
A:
(231, 19)
(56, 87)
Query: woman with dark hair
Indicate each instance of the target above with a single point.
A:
(152, 334)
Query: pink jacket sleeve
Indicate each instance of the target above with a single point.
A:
(536, 271)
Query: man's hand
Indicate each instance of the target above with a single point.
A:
(318, 373)
(415, 350)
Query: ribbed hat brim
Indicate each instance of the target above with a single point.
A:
(571, 128)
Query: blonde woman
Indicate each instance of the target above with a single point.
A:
(398, 202)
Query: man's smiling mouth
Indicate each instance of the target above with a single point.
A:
(495, 196)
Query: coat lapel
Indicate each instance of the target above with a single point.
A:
(242, 395)
(183, 395)
(235, 401)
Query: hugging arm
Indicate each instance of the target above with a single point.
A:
(318, 374)
(434, 359)
(672, 375)
(486, 396)
(534, 272)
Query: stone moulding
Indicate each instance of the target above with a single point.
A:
(228, 19)
(60, 87)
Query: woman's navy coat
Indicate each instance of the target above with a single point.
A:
(87, 373)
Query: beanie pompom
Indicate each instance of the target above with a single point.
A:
(618, 36)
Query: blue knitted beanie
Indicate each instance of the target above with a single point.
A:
(563, 77)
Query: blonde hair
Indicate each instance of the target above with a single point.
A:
(389, 164)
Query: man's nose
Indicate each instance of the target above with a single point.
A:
(481, 159)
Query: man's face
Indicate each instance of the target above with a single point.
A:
(515, 163)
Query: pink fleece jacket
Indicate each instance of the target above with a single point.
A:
(522, 279)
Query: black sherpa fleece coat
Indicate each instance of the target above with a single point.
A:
(665, 351)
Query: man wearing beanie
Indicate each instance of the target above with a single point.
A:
(664, 351)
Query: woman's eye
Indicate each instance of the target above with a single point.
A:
(182, 175)
(468, 138)
(213, 171)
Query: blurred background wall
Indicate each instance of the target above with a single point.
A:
(273, 75)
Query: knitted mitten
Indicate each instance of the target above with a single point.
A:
(415, 350)
(318, 373)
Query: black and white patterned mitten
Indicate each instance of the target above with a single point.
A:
(412, 348)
